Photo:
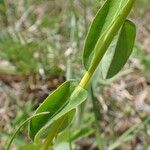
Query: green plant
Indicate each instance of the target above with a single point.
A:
(59, 108)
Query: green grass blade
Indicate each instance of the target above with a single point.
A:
(26, 121)
(128, 135)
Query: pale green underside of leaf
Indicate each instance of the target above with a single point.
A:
(119, 51)
(103, 21)
(63, 100)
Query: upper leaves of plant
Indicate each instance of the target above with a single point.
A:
(63, 100)
(104, 27)
(119, 52)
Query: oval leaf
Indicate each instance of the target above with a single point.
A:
(78, 96)
(64, 99)
(118, 53)
(106, 23)
(54, 103)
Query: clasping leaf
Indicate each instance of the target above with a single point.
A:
(62, 101)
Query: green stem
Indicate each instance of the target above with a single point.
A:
(104, 42)
(100, 48)
(85, 80)
(53, 132)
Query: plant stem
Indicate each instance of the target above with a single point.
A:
(53, 132)
(85, 80)
(104, 42)
(87, 77)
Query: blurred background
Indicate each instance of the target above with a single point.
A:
(41, 43)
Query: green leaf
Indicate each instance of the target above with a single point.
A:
(119, 52)
(67, 118)
(58, 125)
(104, 27)
(63, 100)
(75, 135)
